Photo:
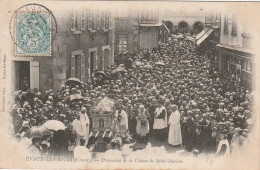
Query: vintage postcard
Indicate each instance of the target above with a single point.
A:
(129, 85)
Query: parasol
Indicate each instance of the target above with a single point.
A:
(75, 97)
(180, 36)
(118, 70)
(54, 125)
(160, 63)
(73, 82)
(186, 61)
(138, 63)
(174, 36)
(100, 73)
(37, 131)
(148, 66)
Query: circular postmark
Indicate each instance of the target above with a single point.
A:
(33, 28)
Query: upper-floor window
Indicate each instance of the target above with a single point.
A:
(94, 19)
(122, 43)
(98, 19)
(82, 21)
(106, 38)
(225, 24)
(90, 18)
(234, 26)
(73, 19)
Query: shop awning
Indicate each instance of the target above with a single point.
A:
(166, 28)
(206, 35)
(202, 33)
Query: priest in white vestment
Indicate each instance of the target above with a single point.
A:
(81, 126)
(174, 137)
(160, 122)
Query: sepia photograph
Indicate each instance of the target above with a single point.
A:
(129, 85)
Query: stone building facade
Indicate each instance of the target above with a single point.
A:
(83, 43)
(137, 29)
(236, 53)
(126, 31)
(183, 20)
(231, 40)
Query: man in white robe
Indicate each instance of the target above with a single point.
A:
(120, 124)
(81, 126)
(123, 125)
(174, 137)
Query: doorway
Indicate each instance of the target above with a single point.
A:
(22, 75)
(78, 67)
(198, 27)
(183, 27)
(92, 57)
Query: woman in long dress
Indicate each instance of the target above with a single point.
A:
(174, 137)
(142, 127)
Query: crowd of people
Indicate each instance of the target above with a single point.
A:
(172, 93)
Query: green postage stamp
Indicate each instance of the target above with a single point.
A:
(33, 33)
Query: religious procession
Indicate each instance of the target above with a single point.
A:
(172, 95)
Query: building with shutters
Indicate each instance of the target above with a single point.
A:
(231, 39)
(84, 42)
(126, 30)
(137, 29)
(236, 54)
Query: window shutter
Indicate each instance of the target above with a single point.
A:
(104, 20)
(72, 71)
(82, 67)
(82, 25)
(109, 21)
(88, 67)
(73, 19)
(34, 74)
(93, 16)
(89, 19)
(103, 59)
(226, 25)
(95, 60)
(234, 26)
(98, 19)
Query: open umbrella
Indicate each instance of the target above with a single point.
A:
(76, 97)
(180, 36)
(100, 73)
(37, 131)
(148, 66)
(186, 61)
(160, 63)
(54, 125)
(138, 63)
(119, 69)
(173, 36)
(73, 82)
